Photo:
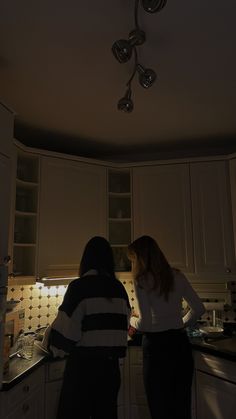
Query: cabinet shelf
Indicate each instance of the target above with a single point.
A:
(26, 215)
(24, 244)
(119, 216)
(26, 184)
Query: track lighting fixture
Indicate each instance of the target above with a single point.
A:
(146, 76)
(124, 49)
(125, 104)
(153, 6)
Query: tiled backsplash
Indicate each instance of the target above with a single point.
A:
(41, 303)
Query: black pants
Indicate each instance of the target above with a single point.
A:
(90, 389)
(168, 373)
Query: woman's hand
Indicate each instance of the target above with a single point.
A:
(134, 313)
(131, 331)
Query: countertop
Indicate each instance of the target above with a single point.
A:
(19, 368)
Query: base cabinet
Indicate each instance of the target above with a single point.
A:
(137, 397)
(216, 398)
(52, 394)
(53, 383)
(26, 399)
(215, 387)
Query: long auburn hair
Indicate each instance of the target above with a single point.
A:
(150, 260)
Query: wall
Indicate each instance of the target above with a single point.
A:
(41, 303)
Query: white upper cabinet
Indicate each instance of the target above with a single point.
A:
(72, 210)
(162, 209)
(25, 216)
(5, 177)
(6, 150)
(6, 131)
(233, 197)
(212, 217)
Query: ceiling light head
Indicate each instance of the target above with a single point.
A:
(122, 50)
(125, 104)
(137, 37)
(153, 6)
(147, 76)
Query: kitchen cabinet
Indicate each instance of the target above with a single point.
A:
(72, 210)
(212, 218)
(53, 383)
(5, 193)
(25, 216)
(137, 397)
(215, 387)
(26, 399)
(6, 131)
(120, 216)
(232, 164)
(162, 209)
(186, 207)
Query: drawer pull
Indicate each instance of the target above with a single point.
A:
(26, 389)
(25, 408)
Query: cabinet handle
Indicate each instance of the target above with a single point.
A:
(228, 270)
(25, 408)
(26, 389)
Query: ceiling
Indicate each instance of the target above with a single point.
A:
(59, 75)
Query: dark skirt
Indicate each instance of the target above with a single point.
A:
(168, 373)
(90, 388)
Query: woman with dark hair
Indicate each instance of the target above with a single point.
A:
(91, 328)
(167, 355)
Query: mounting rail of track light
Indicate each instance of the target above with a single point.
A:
(124, 49)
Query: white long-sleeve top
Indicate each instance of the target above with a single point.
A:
(156, 314)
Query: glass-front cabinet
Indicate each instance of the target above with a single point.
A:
(120, 216)
(25, 218)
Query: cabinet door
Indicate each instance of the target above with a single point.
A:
(233, 197)
(216, 398)
(72, 210)
(52, 395)
(212, 218)
(6, 131)
(5, 183)
(162, 209)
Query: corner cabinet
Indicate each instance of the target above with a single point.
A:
(120, 216)
(25, 216)
(232, 164)
(212, 217)
(186, 207)
(72, 210)
(6, 152)
(162, 209)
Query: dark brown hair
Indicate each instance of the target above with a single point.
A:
(97, 255)
(150, 260)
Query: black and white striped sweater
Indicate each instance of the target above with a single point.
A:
(92, 319)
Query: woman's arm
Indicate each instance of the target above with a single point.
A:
(196, 307)
(144, 321)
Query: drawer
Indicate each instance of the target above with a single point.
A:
(24, 390)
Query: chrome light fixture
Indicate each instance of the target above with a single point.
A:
(126, 104)
(153, 6)
(124, 49)
(146, 76)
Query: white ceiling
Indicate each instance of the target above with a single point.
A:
(58, 73)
